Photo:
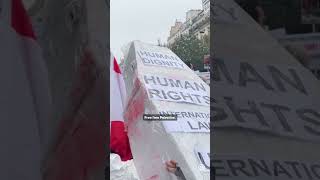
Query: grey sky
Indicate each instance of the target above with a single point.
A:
(145, 20)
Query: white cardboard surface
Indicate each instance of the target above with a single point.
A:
(240, 39)
(151, 145)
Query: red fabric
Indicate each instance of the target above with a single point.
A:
(119, 142)
(116, 66)
(20, 20)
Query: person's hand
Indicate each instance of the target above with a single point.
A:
(171, 166)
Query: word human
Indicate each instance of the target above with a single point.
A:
(159, 59)
(264, 169)
(248, 74)
(174, 83)
(300, 119)
(163, 88)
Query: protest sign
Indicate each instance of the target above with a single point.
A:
(240, 167)
(188, 120)
(164, 90)
(177, 90)
(264, 97)
(158, 57)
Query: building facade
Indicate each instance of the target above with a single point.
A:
(197, 23)
(206, 5)
(175, 31)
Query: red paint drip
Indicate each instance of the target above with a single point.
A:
(116, 67)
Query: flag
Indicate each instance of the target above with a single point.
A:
(25, 101)
(119, 142)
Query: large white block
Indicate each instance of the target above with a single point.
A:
(159, 82)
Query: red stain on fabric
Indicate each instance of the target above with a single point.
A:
(20, 21)
(79, 153)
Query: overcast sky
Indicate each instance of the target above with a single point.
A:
(145, 20)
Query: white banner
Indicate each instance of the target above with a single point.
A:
(268, 98)
(177, 90)
(188, 121)
(239, 167)
(158, 56)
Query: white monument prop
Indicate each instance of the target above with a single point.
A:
(158, 82)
